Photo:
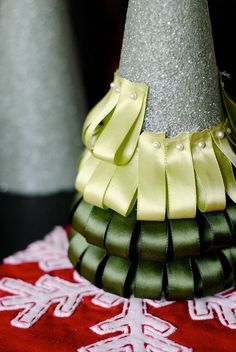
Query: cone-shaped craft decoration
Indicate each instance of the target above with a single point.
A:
(156, 215)
(41, 97)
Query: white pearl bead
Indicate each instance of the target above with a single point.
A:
(117, 89)
(156, 145)
(133, 96)
(180, 147)
(220, 134)
(229, 130)
(201, 144)
(112, 85)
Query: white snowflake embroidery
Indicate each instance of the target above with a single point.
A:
(50, 253)
(35, 300)
(140, 331)
(222, 304)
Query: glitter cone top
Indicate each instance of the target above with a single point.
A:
(169, 46)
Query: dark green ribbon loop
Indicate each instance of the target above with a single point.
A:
(148, 279)
(96, 227)
(153, 241)
(115, 276)
(119, 235)
(180, 284)
(231, 216)
(90, 263)
(209, 275)
(74, 204)
(215, 230)
(77, 246)
(185, 237)
(229, 264)
(81, 216)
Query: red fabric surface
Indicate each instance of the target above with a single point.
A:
(120, 325)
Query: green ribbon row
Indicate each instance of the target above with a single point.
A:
(177, 279)
(155, 240)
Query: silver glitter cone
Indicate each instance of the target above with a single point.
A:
(168, 45)
(41, 97)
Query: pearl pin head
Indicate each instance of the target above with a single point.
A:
(220, 134)
(180, 147)
(156, 145)
(133, 96)
(117, 89)
(201, 144)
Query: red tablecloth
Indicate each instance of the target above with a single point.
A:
(46, 306)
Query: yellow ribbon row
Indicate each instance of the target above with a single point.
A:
(166, 176)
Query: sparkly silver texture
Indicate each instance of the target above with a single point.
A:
(168, 45)
(41, 97)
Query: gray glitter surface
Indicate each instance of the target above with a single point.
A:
(41, 97)
(168, 45)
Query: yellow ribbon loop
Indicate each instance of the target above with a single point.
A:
(87, 166)
(151, 204)
(181, 192)
(124, 125)
(97, 185)
(226, 157)
(121, 194)
(230, 107)
(219, 138)
(210, 184)
(227, 173)
(108, 186)
(100, 112)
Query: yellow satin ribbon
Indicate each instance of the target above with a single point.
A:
(210, 185)
(181, 200)
(226, 158)
(121, 113)
(151, 203)
(101, 110)
(107, 185)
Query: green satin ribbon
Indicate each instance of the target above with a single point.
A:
(148, 279)
(152, 243)
(230, 212)
(113, 280)
(119, 235)
(90, 263)
(176, 279)
(180, 283)
(97, 225)
(185, 237)
(152, 240)
(210, 275)
(216, 231)
(77, 247)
